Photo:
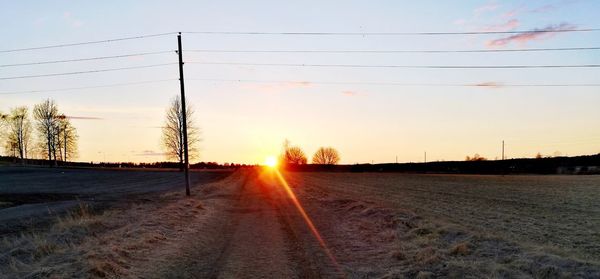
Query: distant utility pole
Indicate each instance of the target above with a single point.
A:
(396, 159)
(425, 157)
(184, 118)
(502, 150)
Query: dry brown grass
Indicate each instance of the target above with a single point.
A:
(37, 252)
(461, 249)
(466, 226)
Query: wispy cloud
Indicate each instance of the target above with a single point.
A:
(535, 34)
(84, 117)
(150, 153)
(349, 93)
(506, 26)
(489, 84)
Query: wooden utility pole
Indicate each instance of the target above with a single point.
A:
(65, 141)
(425, 157)
(184, 118)
(502, 150)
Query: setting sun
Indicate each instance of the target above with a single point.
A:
(271, 162)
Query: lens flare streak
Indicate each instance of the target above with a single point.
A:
(306, 218)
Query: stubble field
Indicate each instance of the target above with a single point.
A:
(259, 223)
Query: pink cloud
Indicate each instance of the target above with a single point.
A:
(349, 93)
(514, 12)
(490, 84)
(509, 25)
(536, 34)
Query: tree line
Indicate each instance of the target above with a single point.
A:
(45, 133)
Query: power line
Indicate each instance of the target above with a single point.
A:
(306, 82)
(87, 72)
(87, 59)
(397, 51)
(87, 43)
(391, 33)
(401, 66)
(304, 33)
(85, 87)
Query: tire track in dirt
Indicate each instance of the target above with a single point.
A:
(255, 233)
(264, 243)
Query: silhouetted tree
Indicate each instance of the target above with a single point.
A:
(538, 156)
(292, 155)
(66, 138)
(475, 157)
(172, 132)
(46, 117)
(18, 134)
(326, 156)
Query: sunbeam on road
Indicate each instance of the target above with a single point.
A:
(305, 216)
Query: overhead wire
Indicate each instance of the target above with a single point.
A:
(399, 66)
(87, 42)
(308, 82)
(88, 71)
(86, 87)
(392, 33)
(392, 51)
(87, 59)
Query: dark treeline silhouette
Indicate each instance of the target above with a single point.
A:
(154, 165)
(588, 164)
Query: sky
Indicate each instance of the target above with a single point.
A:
(245, 112)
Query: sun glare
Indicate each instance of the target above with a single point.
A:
(271, 162)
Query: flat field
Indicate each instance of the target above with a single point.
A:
(258, 223)
(31, 196)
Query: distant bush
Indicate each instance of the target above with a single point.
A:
(326, 156)
(475, 158)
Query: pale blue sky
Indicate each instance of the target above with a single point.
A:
(245, 122)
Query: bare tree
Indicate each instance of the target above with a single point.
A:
(172, 132)
(326, 156)
(292, 155)
(19, 132)
(66, 139)
(46, 117)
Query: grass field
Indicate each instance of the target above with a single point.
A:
(366, 225)
(526, 225)
(559, 213)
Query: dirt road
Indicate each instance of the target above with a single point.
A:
(259, 234)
